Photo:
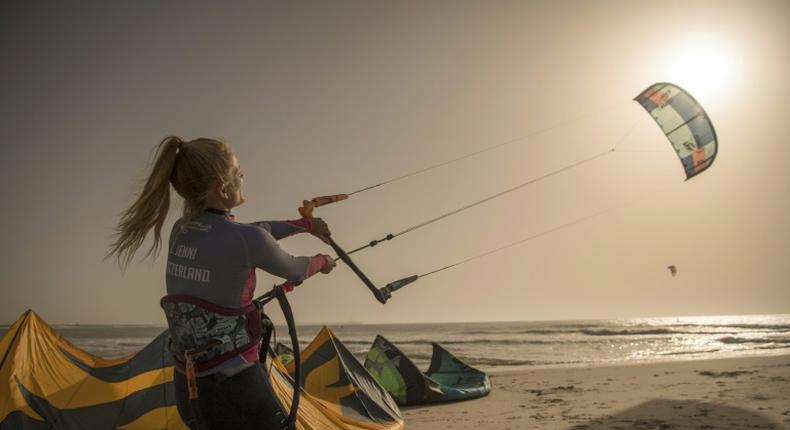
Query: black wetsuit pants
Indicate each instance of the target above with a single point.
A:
(243, 401)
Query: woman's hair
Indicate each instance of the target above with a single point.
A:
(193, 168)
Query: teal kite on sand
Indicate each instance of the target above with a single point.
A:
(447, 379)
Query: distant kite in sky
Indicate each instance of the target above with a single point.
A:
(673, 270)
(685, 124)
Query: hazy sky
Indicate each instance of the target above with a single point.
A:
(330, 96)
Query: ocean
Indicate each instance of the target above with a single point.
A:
(497, 346)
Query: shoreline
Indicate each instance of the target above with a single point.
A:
(737, 392)
(517, 370)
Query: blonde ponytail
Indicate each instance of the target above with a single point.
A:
(192, 168)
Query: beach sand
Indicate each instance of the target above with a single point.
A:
(736, 393)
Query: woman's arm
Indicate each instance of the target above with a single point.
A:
(265, 253)
(282, 229)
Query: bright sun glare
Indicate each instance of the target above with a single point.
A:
(705, 67)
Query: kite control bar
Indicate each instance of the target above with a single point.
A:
(307, 212)
(381, 294)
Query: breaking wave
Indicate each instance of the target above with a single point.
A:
(491, 361)
(701, 351)
(732, 340)
(479, 341)
(766, 327)
(631, 332)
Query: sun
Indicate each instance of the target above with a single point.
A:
(704, 66)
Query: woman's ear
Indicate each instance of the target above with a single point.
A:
(222, 190)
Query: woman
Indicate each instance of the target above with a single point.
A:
(210, 280)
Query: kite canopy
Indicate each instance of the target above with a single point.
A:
(48, 383)
(685, 124)
(447, 378)
(339, 382)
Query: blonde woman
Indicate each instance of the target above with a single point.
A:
(210, 279)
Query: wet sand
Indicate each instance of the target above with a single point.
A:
(737, 393)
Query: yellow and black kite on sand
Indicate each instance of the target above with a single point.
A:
(48, 383)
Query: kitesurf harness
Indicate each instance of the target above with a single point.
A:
(209, 334)
(204, 335)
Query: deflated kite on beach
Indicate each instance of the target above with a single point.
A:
(337, 380)
(447, 379)
(48, 383)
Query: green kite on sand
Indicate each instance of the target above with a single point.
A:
(447, 379)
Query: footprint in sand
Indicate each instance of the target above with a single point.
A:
(726, 374)
(702, 412)
(650, 424)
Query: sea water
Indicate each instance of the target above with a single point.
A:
(494, 346)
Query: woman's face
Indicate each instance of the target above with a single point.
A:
(235, 195)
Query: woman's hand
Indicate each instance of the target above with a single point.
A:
(329, 264)
(320, 230)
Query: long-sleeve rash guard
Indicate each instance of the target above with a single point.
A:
(214, 258)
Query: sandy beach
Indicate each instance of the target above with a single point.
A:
(730, 393)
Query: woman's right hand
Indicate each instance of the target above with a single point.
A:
(329, 264)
